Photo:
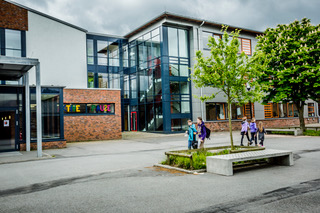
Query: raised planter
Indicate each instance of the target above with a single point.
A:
(186, 157)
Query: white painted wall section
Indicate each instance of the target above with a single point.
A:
(61, 50)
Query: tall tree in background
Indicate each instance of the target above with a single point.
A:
(229, 72)
(292, 71)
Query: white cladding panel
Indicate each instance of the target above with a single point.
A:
(61, 50)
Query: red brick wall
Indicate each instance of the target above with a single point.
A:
(92, 127)
(13, 17)
(268, 123)
(45, 145)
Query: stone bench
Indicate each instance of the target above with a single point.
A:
(223, 164)
(295, 131)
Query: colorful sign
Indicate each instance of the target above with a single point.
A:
(89, 108)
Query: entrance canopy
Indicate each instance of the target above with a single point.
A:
(14, 68)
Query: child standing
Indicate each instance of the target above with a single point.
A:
(202, 133)
(192, 134)
(253, 130)
(244, 130)
(262, 132)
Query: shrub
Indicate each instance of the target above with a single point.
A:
(198, 160)
(311, 133)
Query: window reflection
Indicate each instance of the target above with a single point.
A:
(13, 43)
(103, 80)
(90, 80)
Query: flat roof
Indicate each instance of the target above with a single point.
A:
(187, 19)
(13, 68)
(47, 16)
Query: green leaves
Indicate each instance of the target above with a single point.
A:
(227, 70)
(292, 69)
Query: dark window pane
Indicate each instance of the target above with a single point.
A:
(174, 87)
(175, 107)
(211, 112)
(176, 125)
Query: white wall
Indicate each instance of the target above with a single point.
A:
(61, 50)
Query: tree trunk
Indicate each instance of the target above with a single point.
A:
(300, 107)
(230, 124)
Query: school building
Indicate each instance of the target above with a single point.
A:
(93, 86)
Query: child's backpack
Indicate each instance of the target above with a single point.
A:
(208, 131)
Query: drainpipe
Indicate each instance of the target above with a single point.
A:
(199, 48)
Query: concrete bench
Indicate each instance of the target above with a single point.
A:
(222, 164)
(295, 131)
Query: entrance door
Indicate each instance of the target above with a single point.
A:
(134, 121)
(7, 131)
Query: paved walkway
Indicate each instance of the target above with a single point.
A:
(117, 176)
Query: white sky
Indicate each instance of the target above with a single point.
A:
(119, 17)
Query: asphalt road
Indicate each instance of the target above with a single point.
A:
(117, 176)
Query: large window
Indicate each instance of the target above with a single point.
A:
(51, 108)
(178, 42)
(102, 56)
(13, 43)
(219, 111)
(114, 54)
(90, 51)
(280, 110)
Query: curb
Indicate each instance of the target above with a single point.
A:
(45, 156)
(181, 170)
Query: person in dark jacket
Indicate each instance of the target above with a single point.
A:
(202, 133)
(261, 132)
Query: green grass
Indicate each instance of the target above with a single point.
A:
(311, 133)
(282, 132)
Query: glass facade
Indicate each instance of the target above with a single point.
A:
(103, 61)
(152, 72)
(52, 114)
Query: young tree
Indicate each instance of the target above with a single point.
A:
(292, 71)
(228, 71)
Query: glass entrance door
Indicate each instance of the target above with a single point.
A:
(8, 131)
(134, 121)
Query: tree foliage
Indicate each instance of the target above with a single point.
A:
(228, 71)
(292, 56)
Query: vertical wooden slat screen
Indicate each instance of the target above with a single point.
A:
(246, 46)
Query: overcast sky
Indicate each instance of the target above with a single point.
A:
(119, 17)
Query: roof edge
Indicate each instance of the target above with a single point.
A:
(186, 18)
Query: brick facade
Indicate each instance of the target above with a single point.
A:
(92, 127)
(268, 123)
(13, 17)
(45, 145)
